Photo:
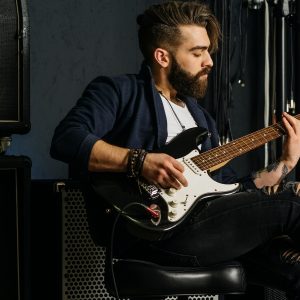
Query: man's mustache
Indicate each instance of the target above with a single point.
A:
(205, 71)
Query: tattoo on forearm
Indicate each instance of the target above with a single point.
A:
(269, 168)
(284, 172)
(272, 167)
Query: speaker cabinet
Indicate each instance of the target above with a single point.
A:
(82, 260)
(61, 223)
(14, 228)
(14, 67)
(297, 54)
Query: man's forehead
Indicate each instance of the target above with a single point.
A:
(194, 34)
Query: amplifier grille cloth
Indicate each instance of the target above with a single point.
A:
(9, 108)
(83, 261)
(272, 294)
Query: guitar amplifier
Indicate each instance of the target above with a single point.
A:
(14, 67)
(83, 261)
(15, 282)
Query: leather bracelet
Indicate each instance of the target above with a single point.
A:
(140, 164)
(136, 159)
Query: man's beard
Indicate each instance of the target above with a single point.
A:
(187, 84)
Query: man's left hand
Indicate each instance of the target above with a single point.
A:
(291, 147)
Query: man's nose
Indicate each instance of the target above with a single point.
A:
(207, 62)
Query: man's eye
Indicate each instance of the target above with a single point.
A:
(197, 54)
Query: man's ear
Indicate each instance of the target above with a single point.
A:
(162, 57)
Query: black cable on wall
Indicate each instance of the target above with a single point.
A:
(297, 69)
(235, 97)
(229, 62)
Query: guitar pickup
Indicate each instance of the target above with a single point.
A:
(188, 162)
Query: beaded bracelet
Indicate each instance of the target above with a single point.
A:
(136, 159)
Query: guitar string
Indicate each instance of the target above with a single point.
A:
(211, 157)
(218, 156)
(235, 149)
(268, 134)
(208, 161)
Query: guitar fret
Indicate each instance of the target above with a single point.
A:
(224, 153)
(276, 131)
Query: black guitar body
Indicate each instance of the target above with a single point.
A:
(138, 201)
(160, 211)
(185, 142)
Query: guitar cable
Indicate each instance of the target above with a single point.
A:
(111, 259)
(120, 213)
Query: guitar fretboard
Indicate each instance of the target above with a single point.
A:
(216, 156)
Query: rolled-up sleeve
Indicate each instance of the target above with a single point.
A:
(93, 116)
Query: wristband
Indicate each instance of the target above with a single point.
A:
(135, 163)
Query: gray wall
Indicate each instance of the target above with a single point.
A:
(72, 41)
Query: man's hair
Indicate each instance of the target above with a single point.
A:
(158, 25)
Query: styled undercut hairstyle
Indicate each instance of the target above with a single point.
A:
(158, 25)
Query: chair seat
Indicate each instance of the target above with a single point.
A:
(136, 278)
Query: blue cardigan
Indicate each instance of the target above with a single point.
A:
(125, 111)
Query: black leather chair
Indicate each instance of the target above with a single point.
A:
(137, 279)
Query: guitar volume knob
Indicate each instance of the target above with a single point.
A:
(172, 213)
(170, 191)
(173, 203)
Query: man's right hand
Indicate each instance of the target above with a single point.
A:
(158, 168)
(163, 170)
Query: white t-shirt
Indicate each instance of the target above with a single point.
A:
(182, 113)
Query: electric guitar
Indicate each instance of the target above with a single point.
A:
(162, 210)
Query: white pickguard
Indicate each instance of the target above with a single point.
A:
(200, 185)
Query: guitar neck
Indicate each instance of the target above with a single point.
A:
(217, 157)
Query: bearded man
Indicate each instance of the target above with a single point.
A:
(119, 124)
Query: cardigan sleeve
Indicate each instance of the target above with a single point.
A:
(89, 120)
